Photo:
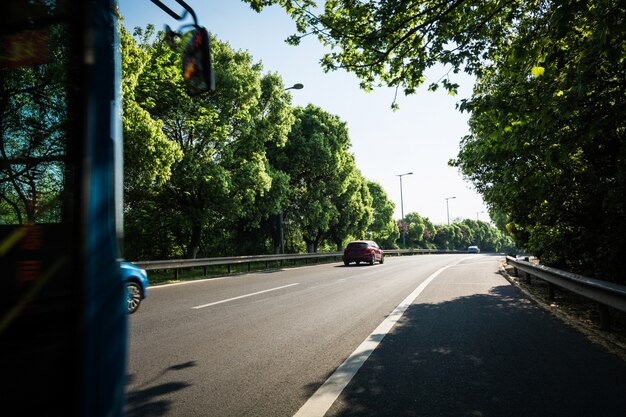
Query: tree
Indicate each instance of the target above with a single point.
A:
(354, 206)
(148, 154)
(259, 229)
(547, 137)
(383, 228)
(326, 189)
(393, 42)
(419, 230)
(148, 159)
(222, 136)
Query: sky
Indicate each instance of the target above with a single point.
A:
(421, 137)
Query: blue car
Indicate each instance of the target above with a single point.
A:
(473, 249)
(136, 285)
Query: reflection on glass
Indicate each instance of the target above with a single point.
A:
(33, 125)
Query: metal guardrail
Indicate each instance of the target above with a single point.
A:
(178, 264)
(606, 294)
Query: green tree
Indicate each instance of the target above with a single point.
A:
(259, 229)
(444, 237)
(393, 42)
(383, 228)
(419, 231)
(547, 136)
(353, 203)
(148, 159)
(222, 136)
(322, 172)
(148, 154)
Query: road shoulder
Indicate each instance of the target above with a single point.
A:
(578, 313)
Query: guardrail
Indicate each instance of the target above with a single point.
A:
(177, 264)
(606, 294)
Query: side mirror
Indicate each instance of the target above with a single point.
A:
(197, 63)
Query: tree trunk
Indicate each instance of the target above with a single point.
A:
(194, 242)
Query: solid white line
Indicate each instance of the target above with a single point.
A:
(327, 394)
(244, 296)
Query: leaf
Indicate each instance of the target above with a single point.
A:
(538, 71)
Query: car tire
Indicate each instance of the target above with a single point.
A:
(382, 259)
(373, 260)
(133, 296)
(346, 263)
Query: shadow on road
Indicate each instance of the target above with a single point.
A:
(492, 354)
(147, 400)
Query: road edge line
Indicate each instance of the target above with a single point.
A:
(326, 395)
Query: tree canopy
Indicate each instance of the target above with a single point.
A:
(547, 136)
(394, 42)
(329, 197)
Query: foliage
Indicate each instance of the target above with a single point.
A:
(420, 231)
(222, 169)
(547, 148)
(423, 234)
(394, 42)
(383, 228)
(148, 154)
(328, 198)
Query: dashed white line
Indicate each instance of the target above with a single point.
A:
(321, 401)
(244, 296)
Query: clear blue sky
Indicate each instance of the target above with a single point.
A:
(420, 137)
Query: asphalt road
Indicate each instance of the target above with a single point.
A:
(437, 335)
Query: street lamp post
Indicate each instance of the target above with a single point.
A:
(281, 220)
(402, 207)
(296, 86)
(448, 208)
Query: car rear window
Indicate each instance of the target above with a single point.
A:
(354, 245)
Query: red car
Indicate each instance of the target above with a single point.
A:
(363, 251)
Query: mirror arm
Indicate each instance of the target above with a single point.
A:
(190, 10)
(173, 14)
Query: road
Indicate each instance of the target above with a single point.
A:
(436, 335)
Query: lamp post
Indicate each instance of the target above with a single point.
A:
(296, 86)
(402, 207)
(281, 220)
(477, 213)
(448, 208)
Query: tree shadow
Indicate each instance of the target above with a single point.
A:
(493, 354)
(147, 401)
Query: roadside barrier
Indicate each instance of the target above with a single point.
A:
(606, 294)
(177, 264)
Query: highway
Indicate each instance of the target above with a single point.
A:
(433, 335)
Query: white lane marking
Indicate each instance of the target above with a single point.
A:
(244, 296)
(321, 401)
